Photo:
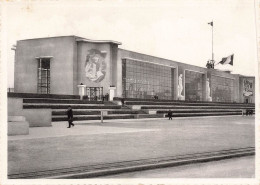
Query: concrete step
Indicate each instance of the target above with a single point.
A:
(125, 111)
(118, 99)
(193, 114)
(93, 117)
(132, 116)
(109, 103)
(36, 95)
(16, 118)
(198, 110)
(76, 112)
(187, 103)
(60, 101)
(97, 112)
(193, 107)
(63, 106)
(150, 116)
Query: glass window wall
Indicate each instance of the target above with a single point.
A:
(222, 89)
(193, 86)
(145, 80)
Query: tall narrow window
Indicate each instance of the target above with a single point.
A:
(43, 75)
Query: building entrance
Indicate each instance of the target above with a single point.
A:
(94, 93)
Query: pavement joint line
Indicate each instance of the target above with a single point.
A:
(125, 166)
(66, 135)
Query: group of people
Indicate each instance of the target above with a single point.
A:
(210, 65)
(105, 97)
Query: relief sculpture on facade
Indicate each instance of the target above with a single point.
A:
(95, 65)
(209, 98)
(248, 87)
(180, 88)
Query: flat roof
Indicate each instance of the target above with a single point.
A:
(78, 39)
(97, 41)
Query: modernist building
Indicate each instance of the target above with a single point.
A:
(57, 65)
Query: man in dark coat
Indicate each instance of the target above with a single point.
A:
(170, 114)
(70, 116)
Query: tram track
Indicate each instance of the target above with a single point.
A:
(92, 171)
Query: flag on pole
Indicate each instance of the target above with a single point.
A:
(227, 60)
(211, 23)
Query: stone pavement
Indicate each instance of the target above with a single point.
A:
(122, 140)
(242, 167)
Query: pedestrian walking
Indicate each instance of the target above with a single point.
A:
(70, 116)
(170, 114)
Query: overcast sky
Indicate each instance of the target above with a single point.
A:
(175, 30)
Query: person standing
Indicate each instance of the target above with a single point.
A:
(107, 96)
(70, 116)
(123, 102)
(170, 114)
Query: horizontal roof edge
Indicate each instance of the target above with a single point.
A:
(77, 39)
(246, 76)
(44, 57)
(50, 37)
(152, 56)
(97, 41)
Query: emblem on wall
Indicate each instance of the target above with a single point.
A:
(95, 65)
(248, 87)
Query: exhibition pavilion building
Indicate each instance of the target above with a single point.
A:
(59, 65)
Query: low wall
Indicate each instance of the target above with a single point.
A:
(38, 117)
(18, 128)
(17, 125)
(35, 117)
(15, 106)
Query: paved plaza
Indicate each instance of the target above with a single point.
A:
(92, 142)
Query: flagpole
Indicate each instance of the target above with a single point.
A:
(212, 43)
(212, 62)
